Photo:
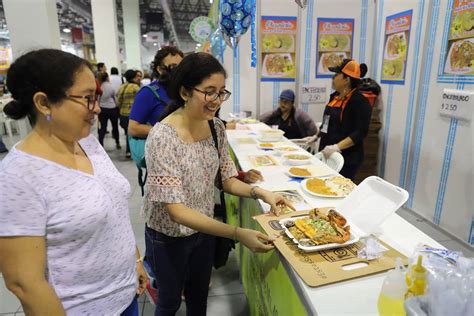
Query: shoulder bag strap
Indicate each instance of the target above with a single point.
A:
(218, 176)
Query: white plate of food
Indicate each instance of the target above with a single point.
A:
(396, 46)
(322, 229)
(334, 187)
(312, 171)
(298, 159)
(460, 56)
(332, 59)
(271, 135)
(266, 146)
(286, 149)
(277, 65)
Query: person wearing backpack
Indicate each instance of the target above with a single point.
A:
(152, 99)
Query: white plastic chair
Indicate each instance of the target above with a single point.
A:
(8, 124)
(335, 161)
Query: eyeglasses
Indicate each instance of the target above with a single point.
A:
(213, 96)
(91, 100)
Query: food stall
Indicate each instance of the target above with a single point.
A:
(271, 284)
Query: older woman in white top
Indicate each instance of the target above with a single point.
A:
(66, 242)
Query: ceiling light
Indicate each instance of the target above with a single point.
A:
(66, 30)
(145, 35)
(198, 44)
(210, 1)
(155, 44)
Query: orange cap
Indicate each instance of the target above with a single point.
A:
(348, 67)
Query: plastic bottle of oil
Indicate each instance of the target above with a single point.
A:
(393, 291)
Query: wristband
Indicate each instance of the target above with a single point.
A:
(253, 194)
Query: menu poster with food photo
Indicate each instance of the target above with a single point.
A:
(334, 44)
(460, 48)
(397, 37)
(278, 35)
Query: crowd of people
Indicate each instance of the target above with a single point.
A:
(67, 245)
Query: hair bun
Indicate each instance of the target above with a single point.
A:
(16, 110)
(363, 70)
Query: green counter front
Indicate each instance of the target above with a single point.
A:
(266, 282)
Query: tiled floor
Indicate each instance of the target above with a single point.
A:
(226, 294)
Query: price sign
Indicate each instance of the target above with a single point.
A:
(314, 94)
(457, 104)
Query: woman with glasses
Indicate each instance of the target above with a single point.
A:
(183, 163)
(66, 241)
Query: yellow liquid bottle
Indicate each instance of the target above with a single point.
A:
(388, 306)
(391, 297)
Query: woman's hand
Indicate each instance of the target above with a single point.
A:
(277, 202)
(254, 240)
(142, 278)
(253, 176)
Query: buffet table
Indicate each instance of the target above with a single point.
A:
(270, 283)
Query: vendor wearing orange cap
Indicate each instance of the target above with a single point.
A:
(346, 117)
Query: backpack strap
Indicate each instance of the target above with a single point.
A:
(154, 91)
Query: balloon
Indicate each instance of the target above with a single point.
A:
(302, 3)
(235, 19)
(217, 45)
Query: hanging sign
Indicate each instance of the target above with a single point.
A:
(334, 44)
(314, 94)
(200, 29)
(278, 35)
(457, 104)
(397, 37)
(460, 48)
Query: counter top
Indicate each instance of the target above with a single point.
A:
(358, 296)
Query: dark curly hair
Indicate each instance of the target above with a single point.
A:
(160, 55)
(50, 71)
(192, 70)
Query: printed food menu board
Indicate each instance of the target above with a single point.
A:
(460, 48)
(334, 44)
(397, 37)
(278, 36)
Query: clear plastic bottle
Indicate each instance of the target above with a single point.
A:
(416, 279)
(393, 291)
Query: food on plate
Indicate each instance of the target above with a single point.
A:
(344, 183)
(291, 197)
(278, 64)
(319, 186)
(392, 68)
(266, 145)
(462, 55)
(287, 148)
(297, 157)
(263, 160)
(277, 42)
(396, 45)
(320, 227)
(300, 172)
(330, 41)
(331, 60)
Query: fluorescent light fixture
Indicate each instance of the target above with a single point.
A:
(155, 44)
(145, 35)
(198, 44)
(66, 30)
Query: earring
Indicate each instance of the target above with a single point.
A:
(48, 117)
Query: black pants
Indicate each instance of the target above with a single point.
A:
(104, 116)
(349, 171)
(180, 262)
(124, 125)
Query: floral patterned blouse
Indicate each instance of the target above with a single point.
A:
(180, 172)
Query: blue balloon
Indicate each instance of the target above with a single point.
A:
(235, 19)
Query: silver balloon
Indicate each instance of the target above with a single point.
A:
(302, 3)
(232, 42)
